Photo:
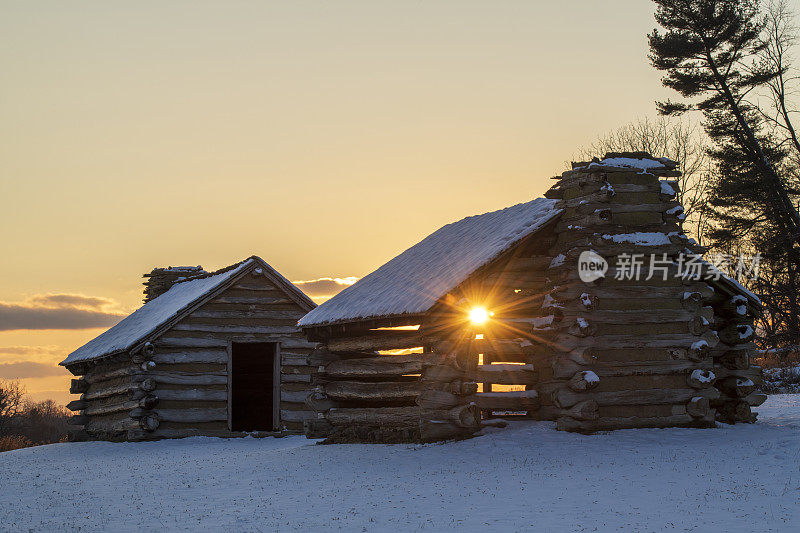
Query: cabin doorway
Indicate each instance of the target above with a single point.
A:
(253, 386)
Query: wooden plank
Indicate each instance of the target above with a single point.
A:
(296, 416)
(379, 416)
(565, 398)
(192, 415)
(249, 314)
(98, 393)
(198, 368)
(100, 376)
(609, 342)
(365, 391)
(295, 378)
(504, 374)
(295, 396)
(191, 356)
(636, 316)
(512, 401)
(462, 415)
(216, 340)
(377, 340)
(110, 409)
(293, 359)
(383, 366)
(647, 411)
(566, 368)
(191, 342)
(187, 378)
(610, 288)
(251, 300)
(236, 329)
(191, 395)
(104, 428)
(244, 286)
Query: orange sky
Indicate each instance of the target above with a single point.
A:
(325, 137)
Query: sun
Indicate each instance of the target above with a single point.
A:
(479, 315)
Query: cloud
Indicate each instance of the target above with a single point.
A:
(326, 287)
(29, 369)
(30, 350)
(58, 311)
(32, 354)
(71, 300)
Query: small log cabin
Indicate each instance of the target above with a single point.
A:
(216, 354)
(528, 311)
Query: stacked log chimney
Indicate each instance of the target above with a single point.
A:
(636, 346)
(159, 280)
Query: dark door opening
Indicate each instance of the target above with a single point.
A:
(252, 393)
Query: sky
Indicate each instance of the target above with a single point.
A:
(325, 137)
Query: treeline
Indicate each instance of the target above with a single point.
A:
(731, 63)
(26, 423)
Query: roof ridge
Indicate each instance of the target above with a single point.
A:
(213, 273)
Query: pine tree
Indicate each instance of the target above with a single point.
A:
(709, 52)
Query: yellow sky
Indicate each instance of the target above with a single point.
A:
(325, 137)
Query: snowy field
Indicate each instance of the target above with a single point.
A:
(524, 477)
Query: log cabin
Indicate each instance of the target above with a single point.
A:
(216, 354)
(533, 311)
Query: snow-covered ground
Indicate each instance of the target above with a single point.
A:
(525, 477)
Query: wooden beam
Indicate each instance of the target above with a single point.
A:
(377, 340)
(236, 329)
(193, 415)
(191, 342)
(77, 386)
(296, 416)
(607, 423)
(187, 378)
(249, 314)
(511, 401)
(376, 391)
(507, 374)
(191, 356)
(566, 398)
(382, 366)
(110, 409)
(192, 395)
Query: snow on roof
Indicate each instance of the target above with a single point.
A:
(731, 280)
(415, 280)
(148, 318)
(633, 160)
(641, 238)
(629, 162)
(732, 283)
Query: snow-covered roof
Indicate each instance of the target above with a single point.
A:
(631, 160)
(732, 284)
(415, 280)
(736, 286)
(167, 307)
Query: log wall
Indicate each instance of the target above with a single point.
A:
(178, 384)
(361, 395)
